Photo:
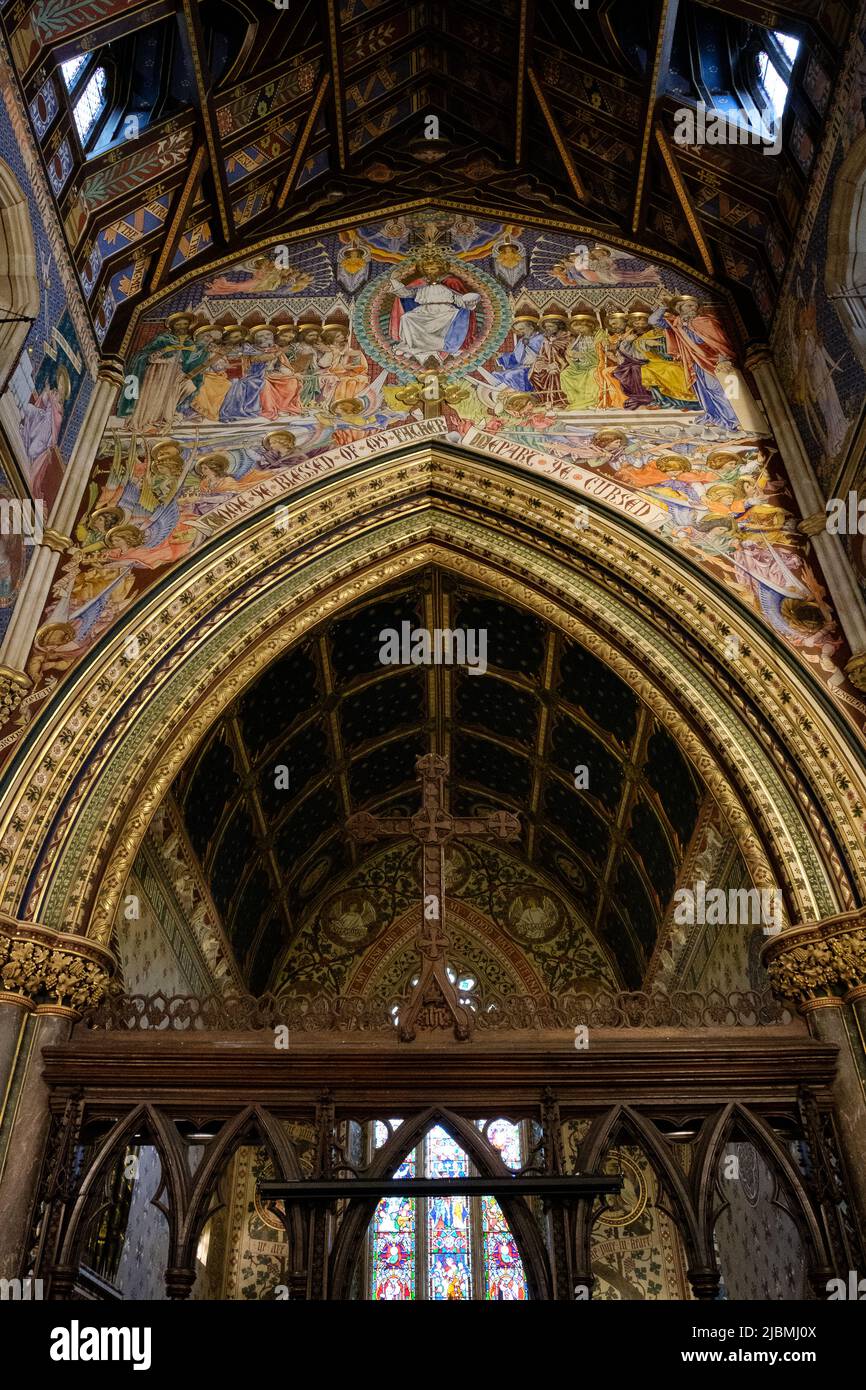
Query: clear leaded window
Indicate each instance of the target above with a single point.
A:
(91, 103)
(441, 1247)
(775, 65)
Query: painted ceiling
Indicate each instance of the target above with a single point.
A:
(229, 124)
(346, 731)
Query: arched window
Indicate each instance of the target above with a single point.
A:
(775, 66)
(445, 1248)
(86, 82)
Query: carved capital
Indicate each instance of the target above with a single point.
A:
(14, 685)
(813, 525)
(49, 971)
(757, 356)
(56, 541)
(819, 959)
(111, 369)
(855, 670)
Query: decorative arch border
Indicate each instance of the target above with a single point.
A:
(782, 762)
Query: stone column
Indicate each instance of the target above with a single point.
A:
(54, 976)
(842, 582)
(820, 966)
(26, 615)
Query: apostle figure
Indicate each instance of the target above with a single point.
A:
(243, 399)
(162, 369)
(581, 380)
(612, 393)
(345, 373)
(551, 361)
(513, 367)
(700, 343)
(433, 314)
(281, 394)
(662, 373)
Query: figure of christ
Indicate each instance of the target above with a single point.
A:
(345, 373)
(433, 314)
(281, 393)
(551, 361)
(700, 343)
(581, 379)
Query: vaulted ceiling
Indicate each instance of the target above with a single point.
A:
(347, 731)
(252, 120)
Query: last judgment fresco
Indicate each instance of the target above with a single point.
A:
(617, 376)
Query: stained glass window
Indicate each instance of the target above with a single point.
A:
(445, 1248)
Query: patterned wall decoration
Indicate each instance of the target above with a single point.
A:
(613, 373)
(636, 1248)
(257, 1246)
(346, 943)
(759, 1247)
(145, 1247)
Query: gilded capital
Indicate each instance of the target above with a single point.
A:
(855, 670)
(818, 958)
(14, 685)
(50, 971)
(813, 525)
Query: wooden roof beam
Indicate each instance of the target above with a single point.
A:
(208, 118)
(303, 141)
(524, 39)
(661, 62)
(180, 213)
(684, 199)
(556, 135)
(337, 88)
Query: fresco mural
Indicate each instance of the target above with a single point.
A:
(251, 382)
(42, 405)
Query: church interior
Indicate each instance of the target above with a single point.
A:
(432, 651)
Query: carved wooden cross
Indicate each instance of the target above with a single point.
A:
(433, 827)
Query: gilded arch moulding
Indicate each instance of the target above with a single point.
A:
(95, 765)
